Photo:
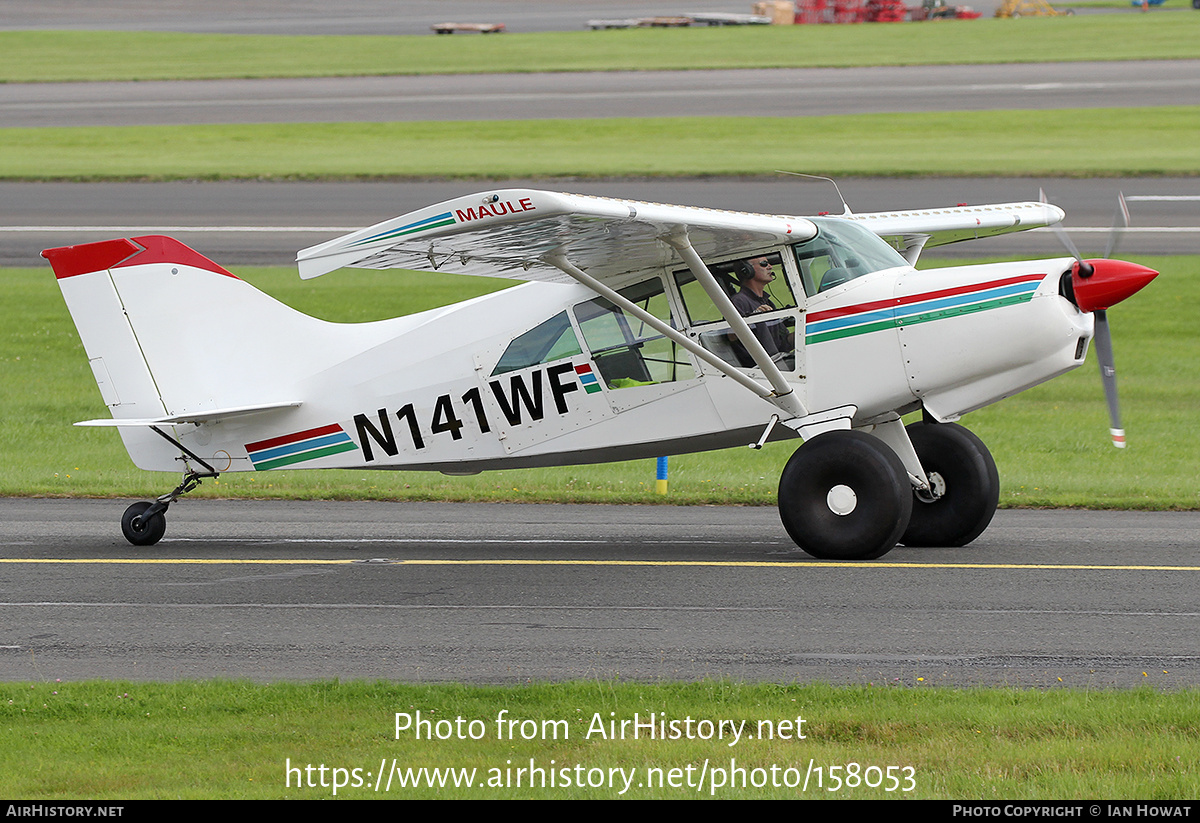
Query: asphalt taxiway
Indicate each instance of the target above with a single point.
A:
(251, 223)
(494, 593)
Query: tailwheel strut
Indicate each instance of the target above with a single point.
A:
(144, 523)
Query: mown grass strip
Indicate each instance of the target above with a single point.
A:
(1138, 142)
(35, 56)
(1051, 443)
(214, 739)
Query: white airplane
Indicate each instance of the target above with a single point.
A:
(650, 330)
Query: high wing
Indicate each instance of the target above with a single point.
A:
(512, 233)
(912, 231)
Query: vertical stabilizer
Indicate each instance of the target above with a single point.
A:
(122, 374)
(169, 332)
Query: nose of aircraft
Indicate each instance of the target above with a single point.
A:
(1099, 284)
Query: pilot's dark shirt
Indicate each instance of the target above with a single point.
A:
(747, 302)
(771, 334)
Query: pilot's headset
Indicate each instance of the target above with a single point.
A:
(743, 271)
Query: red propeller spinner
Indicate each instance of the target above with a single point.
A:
(1099, 284)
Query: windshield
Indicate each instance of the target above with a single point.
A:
(841, 251)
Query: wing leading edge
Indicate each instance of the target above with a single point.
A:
(512, 233)
(912, 231)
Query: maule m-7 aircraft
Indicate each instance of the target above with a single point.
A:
(650, 330)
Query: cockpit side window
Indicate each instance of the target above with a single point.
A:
(549, 341)
(758, 288)
(732, 276)
(841, 251)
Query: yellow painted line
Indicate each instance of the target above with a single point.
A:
(183, 561)
(749, 564)
(848, 564)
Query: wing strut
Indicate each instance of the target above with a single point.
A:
(559, 261)
(784, 395)
(913, 244)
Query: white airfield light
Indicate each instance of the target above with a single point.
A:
(645, 330)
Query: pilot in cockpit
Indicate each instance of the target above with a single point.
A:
(754, 275)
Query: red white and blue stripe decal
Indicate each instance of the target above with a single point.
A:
(879, 315)
(299, 447)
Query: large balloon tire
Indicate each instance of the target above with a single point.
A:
(852, 472)
(143, 531)
(958, 461)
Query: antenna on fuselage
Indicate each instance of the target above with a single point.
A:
(845, 205)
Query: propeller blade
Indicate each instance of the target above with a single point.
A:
(1108, 376)
(1063, 237)
(1120, 224)
(1097, 284)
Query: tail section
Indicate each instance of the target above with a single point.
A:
(171, 335)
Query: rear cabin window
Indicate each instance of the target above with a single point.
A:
(549, 341)
(627, 351)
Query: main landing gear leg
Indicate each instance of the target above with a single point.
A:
(144, 523)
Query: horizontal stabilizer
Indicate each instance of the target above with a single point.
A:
(203, 416)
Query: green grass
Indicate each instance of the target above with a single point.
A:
(1050, 443)
(1138, 142)
(125, 741)
(33, 56)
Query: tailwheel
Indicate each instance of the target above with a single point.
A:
(845, 495)
(145, 523)
(966, 486)
(143, 527)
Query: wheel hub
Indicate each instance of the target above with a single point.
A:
(937, 488)
(841, 500)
